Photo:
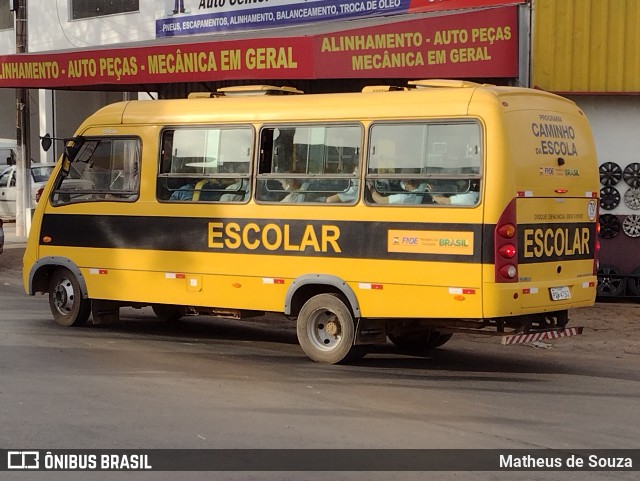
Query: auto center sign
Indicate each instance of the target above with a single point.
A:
(475, 43)
(188, 17)
(480, 44)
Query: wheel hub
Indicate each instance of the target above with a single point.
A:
(63, 297)
(332, 328)
(325, 331)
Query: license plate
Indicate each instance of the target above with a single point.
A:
(560, 293)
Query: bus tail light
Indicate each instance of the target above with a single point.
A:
(508, 271)
(39, 194)
(596, 250)
(505, 246)
(508, 251)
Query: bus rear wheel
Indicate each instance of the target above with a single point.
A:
(67, 305)
(420, 341)
(326, 330)
(168, 312)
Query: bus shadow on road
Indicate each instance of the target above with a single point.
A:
(203, 328)
(464, 356)
(460, 355)
(453, 358)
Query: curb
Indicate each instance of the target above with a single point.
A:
(10, 245)
(11, 241)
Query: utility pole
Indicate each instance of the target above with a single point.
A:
(23, 163)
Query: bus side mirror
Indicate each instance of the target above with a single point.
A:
(71, 151)
(73, 146)
(46, 142)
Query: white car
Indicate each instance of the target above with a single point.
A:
(40, 173)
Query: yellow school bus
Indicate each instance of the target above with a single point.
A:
(396, 213)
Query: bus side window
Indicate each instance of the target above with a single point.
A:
(124, 176)
(266, 151)
(459, 192)
(424, 163)
(309, 164)
(211, 164)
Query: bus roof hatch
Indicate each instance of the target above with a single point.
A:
(442, 83)
(382, 88)
(258, 90)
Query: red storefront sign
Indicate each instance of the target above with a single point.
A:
(194, 62)
(481, 43)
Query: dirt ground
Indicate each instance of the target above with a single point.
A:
(609, 326)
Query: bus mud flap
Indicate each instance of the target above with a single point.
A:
(370, 331)
(104, 312)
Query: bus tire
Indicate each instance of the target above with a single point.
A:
(441, 340)
(420, 341)
(326, 330)
(168, 312)
(67, 305)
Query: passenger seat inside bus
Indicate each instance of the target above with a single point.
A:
(295, 187)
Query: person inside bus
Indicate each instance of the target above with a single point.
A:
(183, 193)
(236, 192)
(414, 193)
(206, 191)
(293, 186)
(468, 197)
(349, 195)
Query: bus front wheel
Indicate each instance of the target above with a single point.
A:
(326, 330)
(67, 305)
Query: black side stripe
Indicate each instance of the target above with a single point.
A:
(357, 239)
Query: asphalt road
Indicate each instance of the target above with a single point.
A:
(207, 383)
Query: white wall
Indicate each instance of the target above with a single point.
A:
(51, 29)
(615, 121)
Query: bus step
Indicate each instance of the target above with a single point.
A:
(541, 335)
